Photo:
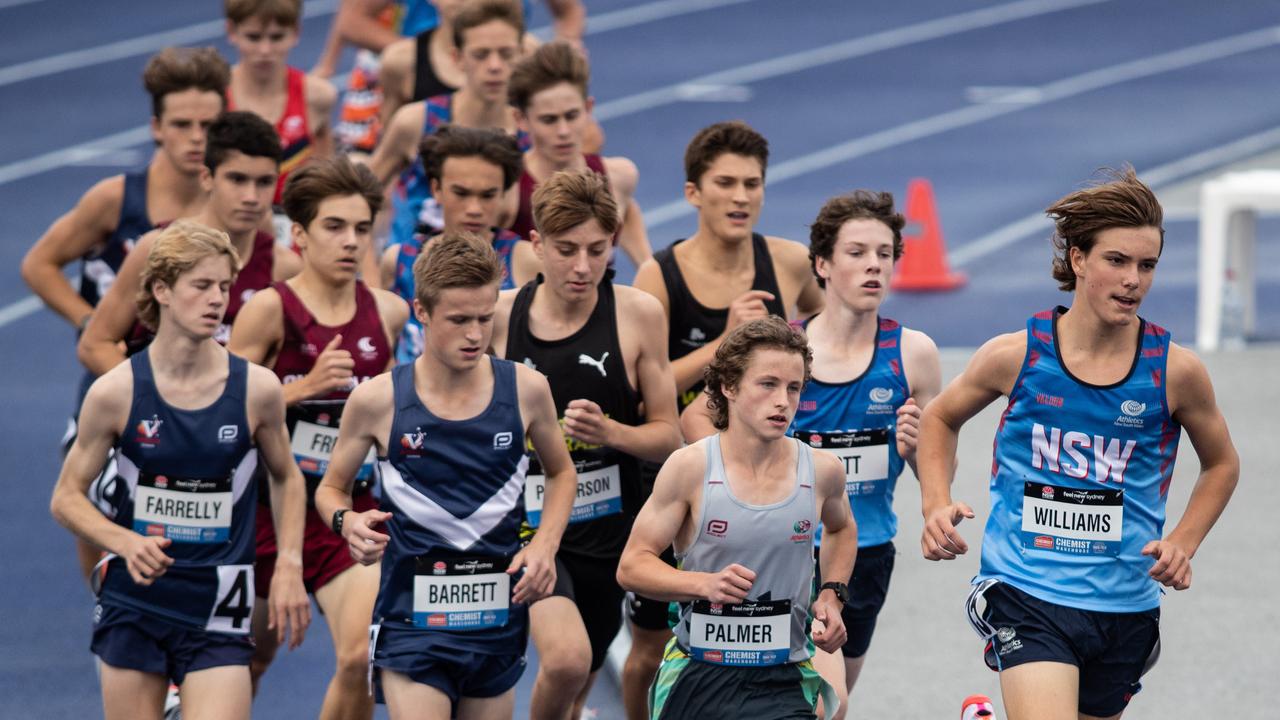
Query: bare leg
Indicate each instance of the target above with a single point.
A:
(501, 707)
(131, 694)
(409, 700)
(264, 643)
(1041, 691)
(347, 601)
(580, 703)
(564, 657)
(217, 693)
(831, 668)
(640, 668)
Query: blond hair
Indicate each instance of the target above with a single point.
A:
(178, 248)
(455, 260)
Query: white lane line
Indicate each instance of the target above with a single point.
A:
(841, 51)
(641, 14)
(15, 311)
(142, 44)
(795, 62)
(1156, 177)
(13, 3)
(975, 114)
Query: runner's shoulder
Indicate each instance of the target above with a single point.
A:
(321, 94)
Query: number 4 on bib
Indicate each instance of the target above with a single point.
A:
(233, 606)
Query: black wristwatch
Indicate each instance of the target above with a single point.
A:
(840, 589)
(336, 522)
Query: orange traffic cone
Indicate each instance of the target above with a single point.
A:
(923, 265)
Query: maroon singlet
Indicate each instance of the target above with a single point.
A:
(524, 215)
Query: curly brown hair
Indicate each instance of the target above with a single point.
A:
(1121, 200)
(856, 205)
(734, 356)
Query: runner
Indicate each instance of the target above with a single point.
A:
(450, 432)
(1074, 552)
(185, 418)
(469, 170)
(871, 378)
(549, 92)
(723, 276)
(609, 374)
(242, 157)
(186, 88)
(742, 508)
(323, 332)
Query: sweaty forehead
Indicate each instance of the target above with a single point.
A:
(779, 363)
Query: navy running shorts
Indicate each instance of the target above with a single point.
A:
(132, 640)
(455, 673)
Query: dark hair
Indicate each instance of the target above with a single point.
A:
(455, 260)
(568, 199)
(176, 69)
(478, 12)
(319, 180)
(490, 144)
(236, 130)
(287, 13)
(1119, 200)
(711, 142)
(856, 205)
(548, 66)
(734, 355)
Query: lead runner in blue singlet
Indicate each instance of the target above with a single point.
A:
(450, 430)
(184, 416)
(1074, 552)
(871, 378)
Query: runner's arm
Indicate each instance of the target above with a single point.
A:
(923, 373)
(366, 417)
(258, 331)
(70, 237)
(399, 143)
(632, 237)
(839, 529)
(322, 96)
(1196, 409)
(570, 20)
(357, 24)
(525, 264)
(696, 420)
(394, 68)
(101, 344)
(659, 435)
(285, 263)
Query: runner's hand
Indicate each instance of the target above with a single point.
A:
(749, 306)
(907, 432)
(940, 540)
(333, 369)
(728, 586)
(585, 421)
(288, 609)
(145, 559)
(539, 578)
(365, 543)
(1172, 567)
(832, 634)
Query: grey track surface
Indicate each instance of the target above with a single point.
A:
(1221, 646)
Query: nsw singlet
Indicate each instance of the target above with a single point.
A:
(99, 266)
(410, 343)
(188, 476)
(856, 421)
(587, 364)
(293, 128)
(694, 324)
(413, 208)
(425, 81)
(453, 489)
(1080, 477)
(524, 215)
(776, 541)
(313, 423)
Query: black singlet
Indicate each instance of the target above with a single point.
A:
(425, 81)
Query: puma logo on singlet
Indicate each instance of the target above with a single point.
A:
(584, 359)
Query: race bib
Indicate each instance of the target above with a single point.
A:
(313, 446)
(1080, 521)
(193, 510)
(461, 593)
(754, 634)
(599, 494)
(865, 454)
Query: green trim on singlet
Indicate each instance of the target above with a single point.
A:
(674, 661)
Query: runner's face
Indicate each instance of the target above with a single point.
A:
(556, 120)
(1115, 275)
(240, 191)
(470, 194)
(768, 394)
(488, 54)
(263, 45)
(198, 299)
(861, 263)
(458, 330)
(729, 196)
(182, 129)
(574, 261)
(337, 237)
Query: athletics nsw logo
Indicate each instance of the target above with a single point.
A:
(801, 530)
(1132, 414)
(881, 395)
